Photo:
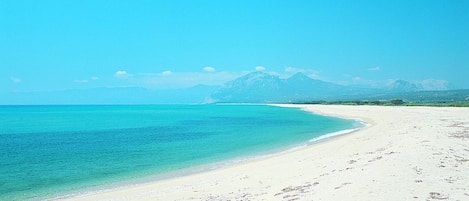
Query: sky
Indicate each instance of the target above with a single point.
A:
(58, 45)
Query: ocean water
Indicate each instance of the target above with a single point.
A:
(50, 151)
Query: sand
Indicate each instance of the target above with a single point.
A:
(406, 153)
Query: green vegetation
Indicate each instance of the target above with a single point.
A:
(448, 98)
(455, 104)
(392, 102)
(396, 101)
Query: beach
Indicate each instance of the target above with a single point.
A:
(405, 153)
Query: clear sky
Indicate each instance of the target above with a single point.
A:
(54, 45)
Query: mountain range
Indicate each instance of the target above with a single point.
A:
(255, 87)
(262, 87)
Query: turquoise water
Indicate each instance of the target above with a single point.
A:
(48, 151)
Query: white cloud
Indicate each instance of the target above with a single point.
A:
(377, 68)
(93, 78)
(260, 68)
(209, 69)
(15, 80)
(357, 79)
(81, 81)
(166, 73)
(314, 75)
(293, 70)
(121, 74)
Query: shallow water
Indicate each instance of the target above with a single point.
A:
(49, 151)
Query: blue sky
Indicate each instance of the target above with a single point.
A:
(56, 45)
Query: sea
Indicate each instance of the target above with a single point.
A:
(50, 152)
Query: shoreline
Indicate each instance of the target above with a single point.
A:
(374, 163)
(361, 123)
(207, 168)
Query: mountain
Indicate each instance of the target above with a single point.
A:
(259, 87)
(253, 87)
(256, 87)
(404, 86)
(302, 87)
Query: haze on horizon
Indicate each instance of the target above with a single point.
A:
(60, 45)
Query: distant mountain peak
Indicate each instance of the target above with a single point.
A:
(252, 87)
(404, 86)
(259, 75)
(299, 76)
(264, 87)
(253, 78)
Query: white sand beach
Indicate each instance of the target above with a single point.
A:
(407, 153)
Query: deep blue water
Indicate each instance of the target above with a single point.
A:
(49, 151)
